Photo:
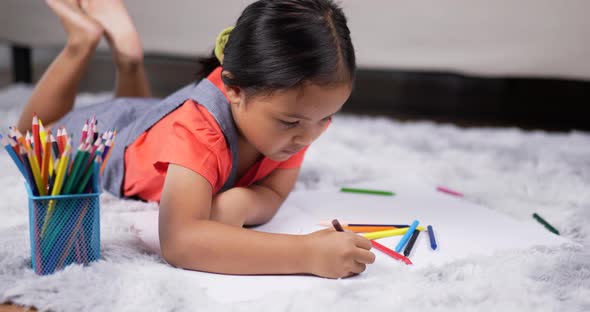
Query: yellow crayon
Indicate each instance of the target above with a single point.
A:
(388, 233)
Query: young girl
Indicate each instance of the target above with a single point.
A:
(223, 152)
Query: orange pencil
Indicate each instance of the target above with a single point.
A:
(20, 139)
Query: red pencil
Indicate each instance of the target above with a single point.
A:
(84, 132)
(390, 252)
(37, 139)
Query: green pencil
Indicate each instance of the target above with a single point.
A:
(547, 225)
(365, 191)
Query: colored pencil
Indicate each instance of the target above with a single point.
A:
(366, 191)
(109, 145)
(55, 146)
(37, 139)
(84, 132)
(42, 134)
(29, 176)
(14, 145)
(14, 141)
(85, 179)
(45, 170)
(79, 161)
(56, 189)
(36, 173)
(95, 129)
(60, 142)
(28, 143)
(20, 139)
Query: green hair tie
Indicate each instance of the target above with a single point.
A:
(220, 43)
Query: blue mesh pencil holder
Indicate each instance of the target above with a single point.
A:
(63, 229)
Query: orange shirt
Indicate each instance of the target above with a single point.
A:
(188, 137)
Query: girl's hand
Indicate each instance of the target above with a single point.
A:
(337, 254)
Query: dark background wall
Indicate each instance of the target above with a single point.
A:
(529, 103)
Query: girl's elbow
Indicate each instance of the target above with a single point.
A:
(178, 251)
(171, 252)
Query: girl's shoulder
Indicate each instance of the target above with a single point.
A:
(192, 118)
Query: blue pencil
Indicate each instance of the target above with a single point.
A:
(431, 236)
(14, 156)
(406, 236)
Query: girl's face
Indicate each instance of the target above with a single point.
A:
(280, 124)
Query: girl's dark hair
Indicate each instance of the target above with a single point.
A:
(279, 44)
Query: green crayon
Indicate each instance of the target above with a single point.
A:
(545, 223)
(365, 191)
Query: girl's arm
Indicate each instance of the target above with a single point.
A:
(256, 204)
(189, 240)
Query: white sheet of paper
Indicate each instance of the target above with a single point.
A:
(461, 228)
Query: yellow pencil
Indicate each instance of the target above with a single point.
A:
(59, 178)
(42, 133)
(36, 173)
(61, 171)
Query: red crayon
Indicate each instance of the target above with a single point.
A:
(390, 252)
(448, 191)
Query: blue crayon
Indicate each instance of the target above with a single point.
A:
(406, 236)
(431, 236)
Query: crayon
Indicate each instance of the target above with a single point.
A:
(411, 242)
(337, 225)
(431, 237)
(545, 223)
(390, 252)
(448, 191)
(406, 236)
(366, 191)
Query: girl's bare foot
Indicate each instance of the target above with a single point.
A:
(82, 30)
(120, 31)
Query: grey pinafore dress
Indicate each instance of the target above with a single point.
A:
(133, 116)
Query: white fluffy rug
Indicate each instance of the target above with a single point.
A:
(508, 170)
